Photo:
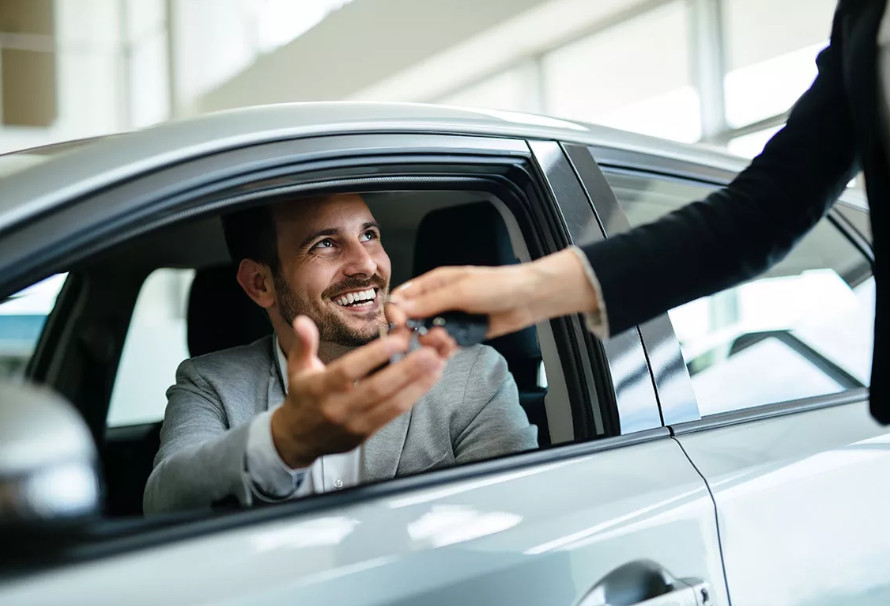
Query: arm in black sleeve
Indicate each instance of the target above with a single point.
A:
(743, 229)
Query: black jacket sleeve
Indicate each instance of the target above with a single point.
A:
(743, 229)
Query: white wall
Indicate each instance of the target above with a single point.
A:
(358, 46)
(111, 69)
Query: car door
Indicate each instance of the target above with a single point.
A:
(778, 370)
(615, 499)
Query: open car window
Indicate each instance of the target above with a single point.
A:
(152, 302)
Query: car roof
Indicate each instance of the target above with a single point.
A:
(43, 177)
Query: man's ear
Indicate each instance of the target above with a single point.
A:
(256, 280)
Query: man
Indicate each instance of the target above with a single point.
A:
(308, 410)
(840, 124)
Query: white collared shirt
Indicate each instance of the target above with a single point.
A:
(273, 478)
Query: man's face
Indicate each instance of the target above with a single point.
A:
(332, 267)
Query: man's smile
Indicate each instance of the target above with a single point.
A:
(362, 300)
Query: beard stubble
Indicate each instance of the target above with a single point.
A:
(331, 327)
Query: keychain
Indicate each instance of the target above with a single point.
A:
(466, 329)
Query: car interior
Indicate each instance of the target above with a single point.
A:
(80, 350)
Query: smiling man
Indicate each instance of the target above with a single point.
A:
(308, 409)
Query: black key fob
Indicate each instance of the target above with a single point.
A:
(466, 329)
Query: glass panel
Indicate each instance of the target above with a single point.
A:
(611, 78)
(770, 58)
(804, 328)
(22, 317)
(858, 218)
(155, 345)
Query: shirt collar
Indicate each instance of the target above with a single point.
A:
(281, 361)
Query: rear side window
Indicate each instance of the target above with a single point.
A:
(802, 329)
(154, 347)
(22, 317)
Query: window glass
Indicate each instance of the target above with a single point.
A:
(154, 347)
(804, 328)
(611, 78)
(770, 61)
(858, 218)
(22, 317)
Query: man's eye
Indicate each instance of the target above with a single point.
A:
(369, 235)
(326, 243)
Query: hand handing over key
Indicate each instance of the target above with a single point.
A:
(513, 296)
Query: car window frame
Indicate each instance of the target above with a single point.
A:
(677, 400)
(631, 379)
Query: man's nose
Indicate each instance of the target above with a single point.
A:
(359, 261)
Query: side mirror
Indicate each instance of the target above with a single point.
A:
(48, 462)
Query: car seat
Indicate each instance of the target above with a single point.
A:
(220, 315)
(475, 234)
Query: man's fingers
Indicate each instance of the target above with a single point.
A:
(385, 411)
(342, 373)
(393, 391)
(441, 341)
(420, 365)
(303, 354)
(395, 315)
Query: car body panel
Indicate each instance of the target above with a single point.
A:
(541, 535)
(802, 502)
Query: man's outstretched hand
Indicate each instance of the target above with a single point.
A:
(334, 408)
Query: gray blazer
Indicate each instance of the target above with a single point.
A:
(472, 413)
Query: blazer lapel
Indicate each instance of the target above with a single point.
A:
(381, 453)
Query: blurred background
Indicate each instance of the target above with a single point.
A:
(719, 71)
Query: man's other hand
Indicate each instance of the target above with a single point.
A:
(334, 408)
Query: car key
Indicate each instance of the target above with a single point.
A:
(466, 329)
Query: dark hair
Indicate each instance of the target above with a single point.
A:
(250, 234)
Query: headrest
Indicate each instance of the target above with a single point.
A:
(472, 234)
(220, 314)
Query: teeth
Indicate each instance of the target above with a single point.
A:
(362, 296)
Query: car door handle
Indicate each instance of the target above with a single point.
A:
(645, 583)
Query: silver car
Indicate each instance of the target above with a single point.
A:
(721, 453)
